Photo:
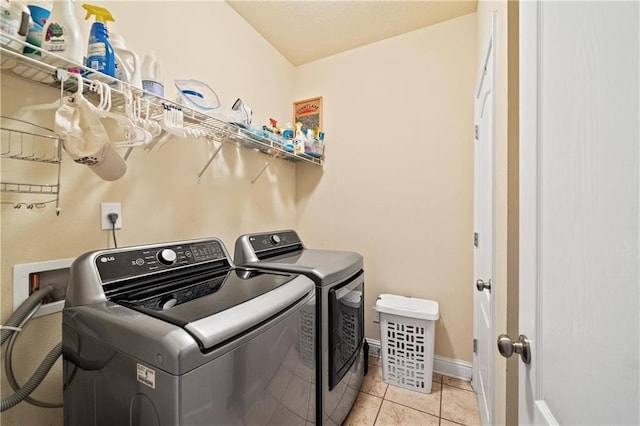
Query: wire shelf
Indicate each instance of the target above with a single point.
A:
(43, 68)
(29, 142)
(29, 188)
(27, 145)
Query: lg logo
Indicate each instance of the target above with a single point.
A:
(106, 259)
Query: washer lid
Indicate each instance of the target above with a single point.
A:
(220, 307)
(408, 307)
(324, 267)
(216, 329)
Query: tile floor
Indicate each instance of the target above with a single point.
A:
(451, 402)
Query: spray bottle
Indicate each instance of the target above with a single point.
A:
(298, 140)
(61, 33)
(100, 56)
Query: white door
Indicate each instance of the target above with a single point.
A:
(579, 217)
(483, 259)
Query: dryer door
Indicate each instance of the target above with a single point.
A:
(346, 326)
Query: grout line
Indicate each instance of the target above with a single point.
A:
(458, 387)
(441, 396)
(451, 421)
(384, 396)
(412, 408)
(378, 413)
(440, 417)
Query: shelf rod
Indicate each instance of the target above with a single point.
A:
(206, 166)
(58, 209)
(267, 164)
(126, 154)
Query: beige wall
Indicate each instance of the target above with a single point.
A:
(161, 200)
(397, 185)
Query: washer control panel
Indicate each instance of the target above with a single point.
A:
(271, 240)
(126, 263)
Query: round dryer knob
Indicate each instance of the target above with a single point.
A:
(167, 257)
(275, 239)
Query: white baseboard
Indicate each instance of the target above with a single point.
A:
(442, 365)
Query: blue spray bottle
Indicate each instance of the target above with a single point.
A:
(100, 56)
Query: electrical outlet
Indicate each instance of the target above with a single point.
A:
(105, 209)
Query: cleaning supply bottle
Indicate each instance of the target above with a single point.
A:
(14, 21)
(287, 134)
(61, 33)
(298, 140)
(127, 62)
(40, 12)
(309, 142)
(152, 75)
(100, 56)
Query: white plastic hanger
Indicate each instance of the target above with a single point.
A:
(103, 109)
(172, 120)
(150, 125)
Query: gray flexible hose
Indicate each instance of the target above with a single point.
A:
(18, 319)
(35, 379)
(8, 367)
(23, 310)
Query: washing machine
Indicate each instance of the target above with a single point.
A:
(340, 351)
(176, 334)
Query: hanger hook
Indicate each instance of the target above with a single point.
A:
(80, 88)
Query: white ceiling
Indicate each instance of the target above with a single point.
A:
(306, 30)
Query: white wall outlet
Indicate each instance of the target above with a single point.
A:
(105, 209)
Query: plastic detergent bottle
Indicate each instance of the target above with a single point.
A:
(100, 56)
(127, 62)
(152, 75)
(40, 12)
(61, 33)
(14, 21)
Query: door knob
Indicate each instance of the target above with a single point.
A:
(507, 347)
(481, 285)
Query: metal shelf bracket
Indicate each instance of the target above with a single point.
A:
(266, 166)
(206, 166)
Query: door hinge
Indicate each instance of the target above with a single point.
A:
(475, 239)
(475, 346)
(477, 132)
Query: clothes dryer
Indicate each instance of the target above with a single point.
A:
(340, 351)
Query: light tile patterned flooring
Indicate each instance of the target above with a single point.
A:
(451, 402)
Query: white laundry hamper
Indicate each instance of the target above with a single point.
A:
(407, 333)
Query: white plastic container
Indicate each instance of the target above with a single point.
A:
(40, 12)
(15, 20)
(128, 66)
(152, 79)
(61, 34)
(407, 333)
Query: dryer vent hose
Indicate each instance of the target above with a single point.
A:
(13, 325)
